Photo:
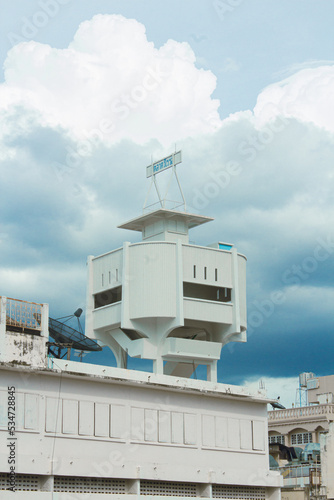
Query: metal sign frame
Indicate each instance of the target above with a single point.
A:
(163, 164)
(159, 166)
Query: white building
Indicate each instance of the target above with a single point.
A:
(166, 300)
(83, 431)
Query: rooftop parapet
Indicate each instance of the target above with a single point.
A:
(314, 412)
(23, 332)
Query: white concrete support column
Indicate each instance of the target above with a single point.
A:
(3, 308)
(235, 291)
(179, 284)
(126, 279)
(89, 299)
(314, 437)
(45, 321)
(176, 367)
(106, 339)
(158, 365)
(45, 331)
(212, 372)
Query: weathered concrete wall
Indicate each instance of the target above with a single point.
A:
(297, 494)
(326, 386)
(327, 460)
(25, 349)
(108, 427)
(23, 334)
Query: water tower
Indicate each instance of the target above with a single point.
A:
(163, 298)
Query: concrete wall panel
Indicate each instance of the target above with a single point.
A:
(152, 278)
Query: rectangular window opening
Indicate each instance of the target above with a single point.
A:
(102, 280)
(205, 273)
(108, 297)
(216, 274)
(301, 438)
(109, 277)
(194, 271)
(279, 438)
(116, 274)
(206, 292)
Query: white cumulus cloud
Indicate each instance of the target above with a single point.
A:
(307, 95)
(112, 83)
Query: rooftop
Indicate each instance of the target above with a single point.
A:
(191, 220)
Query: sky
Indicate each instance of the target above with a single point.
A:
(91, 91)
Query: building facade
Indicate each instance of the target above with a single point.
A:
(309, 430)
(84, 431)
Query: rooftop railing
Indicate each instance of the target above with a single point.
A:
(22, 314)
(305, 411)
(300, 475)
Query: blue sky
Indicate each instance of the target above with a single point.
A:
(90, 90)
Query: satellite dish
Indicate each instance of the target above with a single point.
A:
(78, 312)
(65, 334)
(277, 405)
(66, 337)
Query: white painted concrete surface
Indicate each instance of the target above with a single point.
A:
(76, 421)
(165, 287)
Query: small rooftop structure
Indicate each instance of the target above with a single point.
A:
(162, 224)
(165, 299)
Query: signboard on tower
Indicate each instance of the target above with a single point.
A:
(163, 164)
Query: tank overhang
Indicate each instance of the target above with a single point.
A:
(191, 220)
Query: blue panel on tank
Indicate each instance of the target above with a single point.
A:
(224, 246)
